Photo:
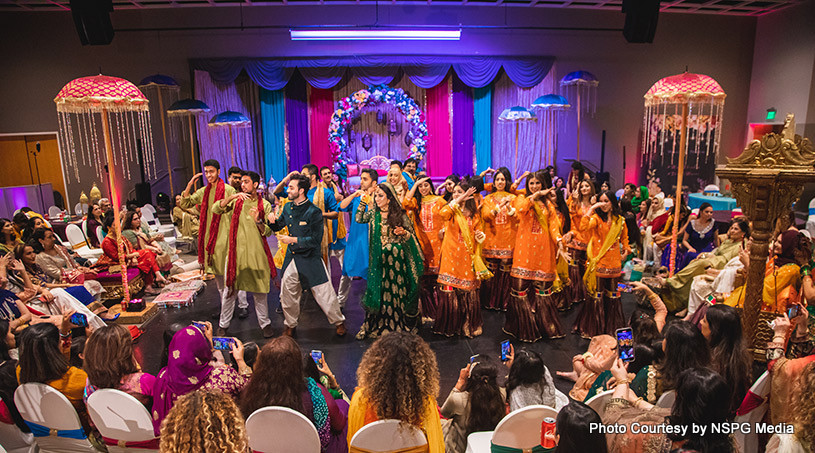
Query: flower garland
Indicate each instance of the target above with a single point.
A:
(341, 120)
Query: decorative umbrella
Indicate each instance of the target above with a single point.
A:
(188, 108)
(123, 111)
(550, 104)
(580, 85)
(695, 93)
(162, 82)
(517, 115)
(230, 119)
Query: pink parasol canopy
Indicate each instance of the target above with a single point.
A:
(684, 87)
(94, 93)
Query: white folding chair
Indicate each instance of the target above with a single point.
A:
(748, 443)
(810, 225)
(122, 417)
(522, 428)
(99, 234)
(666, 400)
(53, 420)
(479, 442)
(281, 429)
(711, 189)
(598, 402)
(79, 244)
(148, 207)
(80, 209)
(16, 441)
(54, 212)
(388, 435)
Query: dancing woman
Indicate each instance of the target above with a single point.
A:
(559, 212)
(500, 227)
(604, 312)
(531, 310)
(392, 293)
(459, 311)
(579, 204)
(425, 205)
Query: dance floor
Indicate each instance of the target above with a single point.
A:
(343, 354)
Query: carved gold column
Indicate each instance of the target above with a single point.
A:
(766, 179)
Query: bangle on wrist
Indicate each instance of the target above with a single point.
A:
(624, 382)
(65, 335)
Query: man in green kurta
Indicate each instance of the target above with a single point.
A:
(249, 262)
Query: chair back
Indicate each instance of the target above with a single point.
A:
(598, 402)
(711, 189)
(52, 419)
(54, 212)
(522, 428)
(148, 207)
(14, 440)
(84, 230)
(760, 391)
(666, 400)
(121, 419)
(80, 209)
(75, 236)
(281, 429)
(479, 442)
(387, 436)
(99, 234)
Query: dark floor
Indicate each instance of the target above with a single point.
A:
(343, 354)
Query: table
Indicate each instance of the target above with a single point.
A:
(719, 203)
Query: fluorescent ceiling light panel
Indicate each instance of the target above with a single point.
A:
(362, 35)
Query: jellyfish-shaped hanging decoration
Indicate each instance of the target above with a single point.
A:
(683, 115)
(189, 108)
(118, 111)
(517, 115)
(581, 86)
(550, 106)
(163, 85)
(230, 120)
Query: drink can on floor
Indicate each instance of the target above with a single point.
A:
(548, 433)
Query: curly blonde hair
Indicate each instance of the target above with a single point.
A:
(803, 400)
(204, 421)
(399, 376)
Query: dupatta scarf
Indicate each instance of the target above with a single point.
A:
(590, 277)
(232, 260)
(206, 244)
(473, 246)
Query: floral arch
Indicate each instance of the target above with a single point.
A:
(346, 108)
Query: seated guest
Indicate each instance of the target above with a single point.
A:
(573, 432)
(189, 368)
(34, 223)
(802, 417)
(204, 421)
(44, 354)
(476, 403)
(675, 291)
(647, 332)
(398, 379)
(54, 260)
(322, 374)
(8, 378)
(8, 239)
(20, 223)
(702, 398)
(110, 364)
(278, 380)
(145, 260)
(721, 327)
(789, 354)
(141, 239)
(530, 383)
(586, 367)
(96, 218)
(12, 309)
(663, 239)
(105, 206)
(186, 219)
(699, 236)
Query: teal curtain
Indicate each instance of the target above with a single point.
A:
(273, 118)
(482, 132)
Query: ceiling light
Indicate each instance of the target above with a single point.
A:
(387, 35)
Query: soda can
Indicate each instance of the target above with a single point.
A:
(548, 433)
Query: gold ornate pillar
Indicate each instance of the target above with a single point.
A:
(766, 179)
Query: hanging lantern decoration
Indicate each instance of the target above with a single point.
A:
(582, 87)
(230, 120)
(96, 194)
(115, 109)
(380, 116)
(189, 108)
(162, 84)
(550, 106)
(682, 123)
(517, 115)
(83, 199)
(393, 128)
(367, 141)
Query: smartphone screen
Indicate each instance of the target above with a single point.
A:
(201, 326)
(79, 319)
(625, 344)
(504, 350)
(793, 311)
(223, 343)
(472, 358)
(623, 288)
(317, 356)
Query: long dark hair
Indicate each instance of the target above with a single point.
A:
(685, 347)
(395, 210)
(486, 406)
(4, 328)
(418, 195)
(527, 369)
(572, 425)
(615, 206)
(448, 195)
(127, 224)
(728, 351)
(469, 204)
(277, 379)
(541, 176)
(36, 237)
(504, 171)
(5, 238)
(563, 208)
(702, 399)
(109, 356)
(40, 357)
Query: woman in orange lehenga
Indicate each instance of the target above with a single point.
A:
(459, 311)
(560, 213)
(500, 226)
(428, 222)
(532, 311)
(603, 313)
(578, 239)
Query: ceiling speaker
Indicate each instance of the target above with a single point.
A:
(92, 20)
(640, 20)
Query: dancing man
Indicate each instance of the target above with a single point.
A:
(249, 262)
(234, 177)
(338, 233)
(303, 266)
(356, 259)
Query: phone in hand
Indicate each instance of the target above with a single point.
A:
(793, 311)
(505, 348)
(624, 287)
(79, 319)
(472, 358)
(317, 356)
(625, 343)
(223, 343)
(200, 325)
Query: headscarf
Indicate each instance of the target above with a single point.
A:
(187, 369)
(789, 241)
(639, 198)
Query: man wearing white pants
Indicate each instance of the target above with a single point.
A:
(303, 266)
(234, 175)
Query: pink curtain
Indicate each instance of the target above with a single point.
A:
(439, 140)
(320, 109)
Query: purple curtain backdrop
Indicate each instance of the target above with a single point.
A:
(297, 123)
(463, 124)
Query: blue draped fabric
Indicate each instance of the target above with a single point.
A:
(482, 130)
(273, 118)
(424, 71)
(463, 125)
(43, 431)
